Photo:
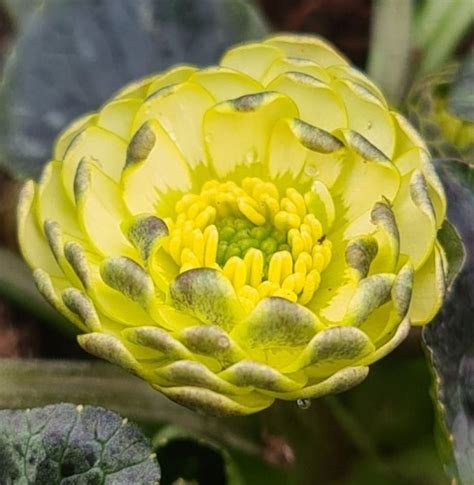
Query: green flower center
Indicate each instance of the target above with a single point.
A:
(265, 243)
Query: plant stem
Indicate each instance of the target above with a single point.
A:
(357, 434)
(390, 46)
(439, 29)
(34, 383)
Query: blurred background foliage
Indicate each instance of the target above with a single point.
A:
(381, 432)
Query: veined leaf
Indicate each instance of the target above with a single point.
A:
(68, 444)
(450, 338)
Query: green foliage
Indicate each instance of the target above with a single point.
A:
(72, 55)
(450, 338)
(70, 444)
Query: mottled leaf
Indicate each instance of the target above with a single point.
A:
(67, 444)
(72, 55)
(450, 338)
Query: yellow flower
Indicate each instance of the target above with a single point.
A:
(264, 229)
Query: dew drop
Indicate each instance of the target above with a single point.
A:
(311, 170)
(303, 403)
(369, 125)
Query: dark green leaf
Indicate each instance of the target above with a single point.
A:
(454, 249)
(461, 95)
(72, 55)
(67, 444)
(450, 338)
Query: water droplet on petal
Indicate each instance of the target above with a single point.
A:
(303, 403)
(311, 170)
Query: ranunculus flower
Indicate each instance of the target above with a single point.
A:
(264, 229)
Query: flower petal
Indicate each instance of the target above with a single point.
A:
(307, 47)
(104, 147)
(367, 116)
(52, 202)
(332, 349)
(293, 64)
(100, 210)
(415, 218)
(117, 116)
(33, 244)
(293, 142)
(341, 381)
(237, 132)
(154, 170)
(216, 404)
(178, 109)
(208, 295)
(224, 83)
(317, 103)
(428, 289)
(251, 59)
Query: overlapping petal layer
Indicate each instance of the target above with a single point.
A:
(263, 229)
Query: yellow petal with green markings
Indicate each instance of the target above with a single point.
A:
(174, 75)
(291, 144)
(307, 47)
(33, 245)
(341, 381)
(105, 148)
(317, 103)
(67, 136)
(367, 116)
(368, 164)
(415, 218)
(100, 210)
(176, 108)
(223, 83)
(247, 123)
(294, 64)
(118, 116)
(251, 59)
(154, 169)
(349, 73)
(429, 288)
(52, 202)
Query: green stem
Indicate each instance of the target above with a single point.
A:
(357, 434)
(34, 383)
(439, 30)
(390, 46)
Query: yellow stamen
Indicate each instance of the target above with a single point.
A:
(265, 245)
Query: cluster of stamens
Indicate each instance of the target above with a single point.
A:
(266, 245)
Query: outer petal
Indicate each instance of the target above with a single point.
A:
(117, 116)
(208, 295)
(428, 289)
(252, 59)
(307, 47)
(100, 210)
(33, 244)
(225, 83)
(102, 146)
(415, 218)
